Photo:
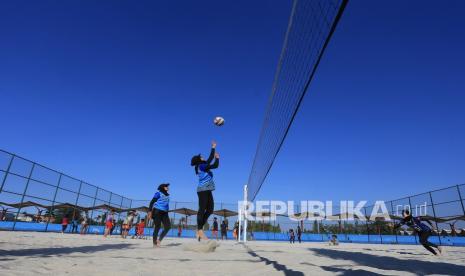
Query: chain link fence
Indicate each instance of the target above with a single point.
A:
(34, 197)
(443, 208)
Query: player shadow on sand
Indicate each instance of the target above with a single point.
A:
(344, 270)
(172, 244)
(390, 263)
(276, 265)
(56, 251)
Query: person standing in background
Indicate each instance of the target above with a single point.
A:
(84, 224)
(299, 234)
(74, 225)
(291, 236)
(215, 228)
(224, 230)
(64, 224)
(109, 223)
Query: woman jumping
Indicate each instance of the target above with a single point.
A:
(159, 213)
(205, 187)
(423, 230)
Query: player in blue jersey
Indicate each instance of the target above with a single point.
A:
(423, 230)
(159, 206)
(205, 187)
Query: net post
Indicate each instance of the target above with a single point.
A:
(240, 224)
(245, 213)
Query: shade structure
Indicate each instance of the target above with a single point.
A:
(66, 205)
(24, 204)
(265, 214)
(104, 207)
(184, 211)
(140, 209)
(304, 215)
(225, 213)
(438, 220)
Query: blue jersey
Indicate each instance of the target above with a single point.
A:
(416, 224)
(205, 179)
(163, 201)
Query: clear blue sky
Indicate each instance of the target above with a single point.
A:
(122, 94)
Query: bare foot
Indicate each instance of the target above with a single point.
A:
(440, 249)
(202, 235)
(158, 243)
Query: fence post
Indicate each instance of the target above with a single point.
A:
(92, 211)
(7, 172)
(109, 200)
(461, 199)
(366, 223)
(53, 202)
(394, 230)
(130, 206)
(410, 209)
(435, 219)
(274, 229)
(119, 216)
(24, 194)
(174, 221)
(76, 203)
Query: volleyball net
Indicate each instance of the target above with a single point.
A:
(310, 27)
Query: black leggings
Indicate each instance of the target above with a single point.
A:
(205, 208)
(160, 217)
(424, 241)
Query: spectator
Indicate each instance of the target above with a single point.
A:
(3, 215)
(64, 224)
(113, 226)
(179, 230)
(108, 223)
(333, 240)
(236, 231)
(84, 224)
(291, 236)
(224, 230)
(140, 229)
(215, 228)
(127, 224)
(299, 234)
(74, 225)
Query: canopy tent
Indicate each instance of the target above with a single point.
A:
(184, 211)
(65, 205)
(265, 214)
(304, 215)
(225, 213)
(140, 209)
(104, 207)
(431, 218)
(24, 204)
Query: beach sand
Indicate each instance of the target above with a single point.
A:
(32, 253)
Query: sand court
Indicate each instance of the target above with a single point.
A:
(33, 253)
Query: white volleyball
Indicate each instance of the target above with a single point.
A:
(219, 121)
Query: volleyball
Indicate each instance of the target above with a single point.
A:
(219, 121)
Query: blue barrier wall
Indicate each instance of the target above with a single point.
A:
(261, 236)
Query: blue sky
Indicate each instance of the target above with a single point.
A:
(122, 94)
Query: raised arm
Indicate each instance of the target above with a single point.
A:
(212, 153)
(215, 164)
